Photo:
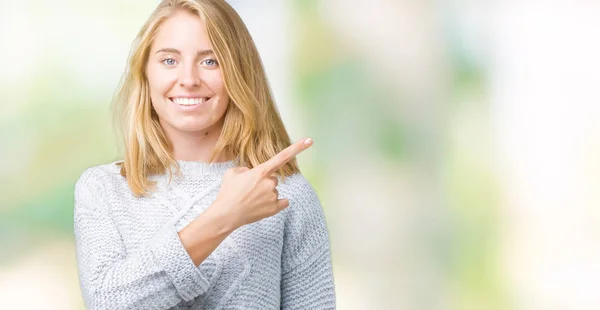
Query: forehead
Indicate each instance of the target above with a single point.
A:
(183, 31)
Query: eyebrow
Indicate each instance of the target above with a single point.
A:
(176, 51)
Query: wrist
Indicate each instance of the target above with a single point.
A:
(224, 222)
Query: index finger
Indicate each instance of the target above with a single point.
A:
(283, 157)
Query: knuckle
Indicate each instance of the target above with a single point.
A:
(265, 173)
(285, 157)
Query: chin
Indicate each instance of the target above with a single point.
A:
(191, 127)
(189, 123)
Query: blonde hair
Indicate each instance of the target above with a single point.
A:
(253, 130)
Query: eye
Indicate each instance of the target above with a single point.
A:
(211, 62)
(168, 61)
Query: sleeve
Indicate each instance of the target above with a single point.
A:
(307, 275)
(158, 275)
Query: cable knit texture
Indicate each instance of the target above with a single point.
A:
(130, 256)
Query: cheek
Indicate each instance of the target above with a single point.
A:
(217, 85)
(159, 82)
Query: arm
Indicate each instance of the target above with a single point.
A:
(307, 276)
(158, 275)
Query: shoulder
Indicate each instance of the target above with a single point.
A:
(303, 198)
(297, 187)
(97, 178)
(94, 187)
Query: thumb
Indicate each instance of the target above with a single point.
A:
(282, 203)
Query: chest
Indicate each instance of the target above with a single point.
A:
(140, 219)
(249, 257)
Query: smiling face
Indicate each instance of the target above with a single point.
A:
(185, 80)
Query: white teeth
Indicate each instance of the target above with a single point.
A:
(188, 101)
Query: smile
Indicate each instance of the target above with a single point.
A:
(189, 101)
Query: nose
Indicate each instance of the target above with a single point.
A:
(188, 76)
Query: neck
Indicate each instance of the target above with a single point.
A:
(195, 146)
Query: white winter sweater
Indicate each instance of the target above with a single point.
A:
(129, 254)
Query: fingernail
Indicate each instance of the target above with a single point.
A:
(308, 141)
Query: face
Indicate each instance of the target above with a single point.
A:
(186, 83)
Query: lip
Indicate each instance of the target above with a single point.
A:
(190, 107)
(189, 96)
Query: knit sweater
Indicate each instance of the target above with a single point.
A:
(129, 255)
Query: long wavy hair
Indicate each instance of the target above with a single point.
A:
(253, 130)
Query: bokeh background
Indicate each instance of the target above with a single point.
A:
(456, 154)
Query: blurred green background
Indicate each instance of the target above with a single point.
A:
(456, 142)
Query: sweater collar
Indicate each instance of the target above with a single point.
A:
(197, 168)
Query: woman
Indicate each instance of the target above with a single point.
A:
(208, 209)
